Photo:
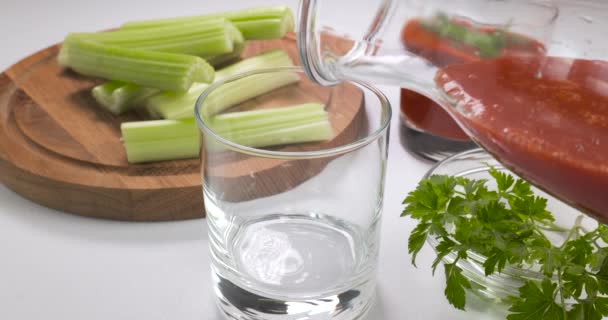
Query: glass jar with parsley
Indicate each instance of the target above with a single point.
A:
(509, 243)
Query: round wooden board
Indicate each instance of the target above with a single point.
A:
(59, 149)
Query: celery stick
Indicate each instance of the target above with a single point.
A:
(234, 33)
(171, 105)
(224, 59)
(236, 121)
(238, 48)
(309, 132)
(166, 71)
(202, 38)
(167, 149)
(158, 129)
(160, 140)
(265, 28)
(119, 96)
(268, 22)
(269, 127)
(243, 89)
(177, 139)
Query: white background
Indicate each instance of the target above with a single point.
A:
(59, 266)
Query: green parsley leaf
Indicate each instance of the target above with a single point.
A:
(536, 304)
(503, 180)
(602, 277)
(445, 247)
(508, 227)
(496, 261)
(578, 251)
(456, 283)
(521, 189)
(417, 239)
(589, 309)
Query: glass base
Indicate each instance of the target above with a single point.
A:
(430, 147)
(295, 267)
(238, 303)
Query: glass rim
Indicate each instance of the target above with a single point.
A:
(329, 152)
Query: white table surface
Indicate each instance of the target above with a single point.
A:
(60, 266)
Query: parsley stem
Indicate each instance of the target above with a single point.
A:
(561, 291)
(573, 230)
(552, 227)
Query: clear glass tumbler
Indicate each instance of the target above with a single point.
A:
(294, 229)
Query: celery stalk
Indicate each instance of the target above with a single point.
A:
(167, 149)
(268, 22)
(305, 132)
(264, 29)
(166, 71)
(160, 140)
(238, 48)
(237, 121)
(119, 96)
(177, 139)
(151, 130)
(243, 89)
(202, 38)
(224, 59)
(172, 105)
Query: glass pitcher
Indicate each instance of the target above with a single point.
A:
(525, 79)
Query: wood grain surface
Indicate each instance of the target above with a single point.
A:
(59, 149)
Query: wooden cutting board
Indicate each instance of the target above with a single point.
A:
(59, 149)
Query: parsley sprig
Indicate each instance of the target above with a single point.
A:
(508, 226)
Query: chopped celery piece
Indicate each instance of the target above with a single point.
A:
(304, 132)
(268, 59)
(119, 96)
(158, 129)
(167, 149)
(177, 139)
(243, 89)
(160, 140)
(236, 121)
(223, 59)
(264, 29)
(162, 70)
(235, 34)
(270, 127)
(202, 38)
(268, 22)
(175, 105)
(172, 105)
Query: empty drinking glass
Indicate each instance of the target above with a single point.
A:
(294, 226)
